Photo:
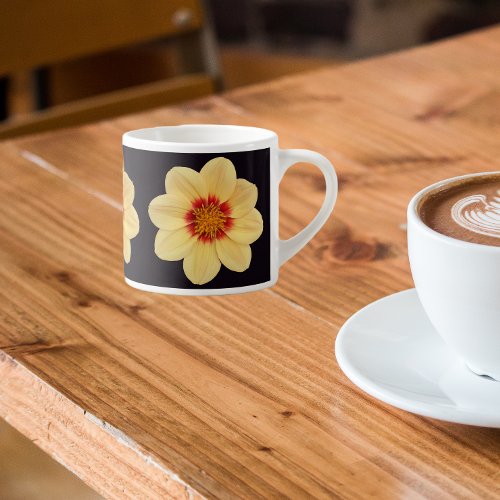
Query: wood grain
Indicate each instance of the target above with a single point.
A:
(240, 396)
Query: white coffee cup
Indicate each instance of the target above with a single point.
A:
(201, 208)
(458, 284)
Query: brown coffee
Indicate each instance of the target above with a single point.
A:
(467, 209)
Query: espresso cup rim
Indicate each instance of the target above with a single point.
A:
(238, 138)
(414, 217)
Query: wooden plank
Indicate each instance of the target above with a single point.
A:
(196, 384)
(61, 428)
(119, 102)
(37, 33)
(159, 352)
(233, 407)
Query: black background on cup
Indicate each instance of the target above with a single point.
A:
(147, 170)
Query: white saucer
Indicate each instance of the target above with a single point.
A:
(391, 351)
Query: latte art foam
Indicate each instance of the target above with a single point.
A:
(466, 209)
(475, 213)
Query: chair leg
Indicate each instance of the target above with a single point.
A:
(4, 104)
(199, 52)
(210, 49)
(41, 88)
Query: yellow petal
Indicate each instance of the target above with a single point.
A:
(130, 222)
(186, 182)
(202, 263)
(128, 190)
(247, 229)
(220, 177)
(243, 198)
(127, 249)
(174, 245)
(234, 256)
(168, 211)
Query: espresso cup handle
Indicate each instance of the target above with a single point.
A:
(287, 158)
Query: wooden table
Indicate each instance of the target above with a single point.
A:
(148, 396)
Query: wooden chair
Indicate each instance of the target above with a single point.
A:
(35, 34)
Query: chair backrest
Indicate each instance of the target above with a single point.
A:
(35, 33)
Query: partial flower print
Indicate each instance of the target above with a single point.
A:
(130, 217)
(206, 218)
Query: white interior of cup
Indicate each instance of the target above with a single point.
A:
(197, 137)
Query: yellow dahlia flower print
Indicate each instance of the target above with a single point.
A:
(130, 217)
(206, 218)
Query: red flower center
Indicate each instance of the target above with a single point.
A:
(209, 219)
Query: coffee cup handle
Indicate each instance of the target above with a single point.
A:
(287, 158)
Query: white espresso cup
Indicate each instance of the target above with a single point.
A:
(201, 208)
(458, 284)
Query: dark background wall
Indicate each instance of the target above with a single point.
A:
(348, 27)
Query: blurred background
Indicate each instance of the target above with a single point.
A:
(70, 62)
(64, 63)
